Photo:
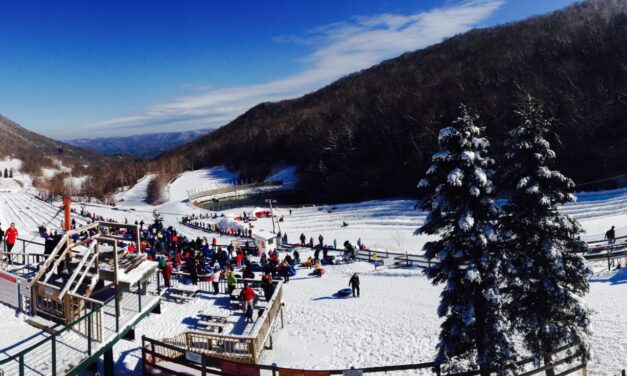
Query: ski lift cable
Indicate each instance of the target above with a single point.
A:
(47, 223)
(600, 180)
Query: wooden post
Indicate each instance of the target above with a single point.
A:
(68, 220)
(115, 264)
(139, 244)
(282, 326)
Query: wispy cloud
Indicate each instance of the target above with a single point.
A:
(341, 48)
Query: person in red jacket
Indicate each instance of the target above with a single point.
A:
(9, 238)
(167, 274)
(248, 298)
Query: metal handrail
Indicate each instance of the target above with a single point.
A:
(63, 330)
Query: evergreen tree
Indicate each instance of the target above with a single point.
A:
(546, 277)
(461, 211)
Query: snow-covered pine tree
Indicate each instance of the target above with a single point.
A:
(461, 211)
(546, 278)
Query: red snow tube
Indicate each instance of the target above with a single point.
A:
(318, 272)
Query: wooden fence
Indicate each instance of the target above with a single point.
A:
(206, 194)
(239, 348)
(159, 356)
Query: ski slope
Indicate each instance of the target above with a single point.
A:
(395, 319)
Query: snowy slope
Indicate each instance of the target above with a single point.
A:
(324, 332)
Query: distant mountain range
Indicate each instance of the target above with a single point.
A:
(38, 151)
(147, 145)
(372, 134)
(105, 173)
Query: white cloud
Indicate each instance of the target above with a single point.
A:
(343, 48)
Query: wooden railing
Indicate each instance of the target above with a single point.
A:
(239, 348)
(567, 362)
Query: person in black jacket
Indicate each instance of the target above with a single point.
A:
(193, 270)
(354, 283)
(610, 235)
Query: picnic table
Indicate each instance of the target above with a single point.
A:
(212, 323)
(183, 295)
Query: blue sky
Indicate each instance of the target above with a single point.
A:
(71, 69)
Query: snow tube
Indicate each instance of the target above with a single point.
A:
(256, 267)
(344, 292)
(292, 271)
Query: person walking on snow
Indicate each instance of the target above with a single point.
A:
(354, 284)
(374, 260)
(302, 239)
(610, 235)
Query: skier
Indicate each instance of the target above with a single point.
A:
(320, 240)
(610, 235)
(1, 234)
(354, 284)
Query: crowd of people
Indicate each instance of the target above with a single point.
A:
(214, 227)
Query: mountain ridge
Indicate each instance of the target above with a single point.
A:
(146, 145)
(371, 134)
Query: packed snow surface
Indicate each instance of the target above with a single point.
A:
(394, 321)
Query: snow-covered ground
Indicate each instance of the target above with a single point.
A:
(395, 319)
